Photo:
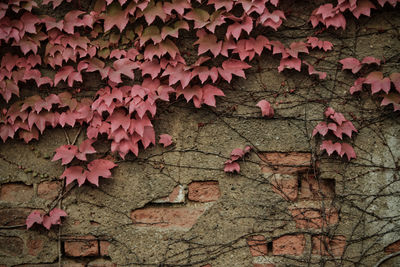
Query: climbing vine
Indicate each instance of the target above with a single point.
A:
(140, 51)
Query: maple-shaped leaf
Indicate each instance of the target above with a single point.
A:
(53, 218)
(99, 168)
(290, 63)
(347, 128)
(122, 66)
(74, 173)
(235, 29)
(174, 31)
(371, 60)
(392, 2)
(321, 128)
(85, 148)
(115, 16)
(154, 10)
(200, 17)
(233, 66)
(330, 147)
(165, 140)
(6, 130)
(34, 217)
(296, 48)
(363, 8)
(29, 135)
(67, 72)
(178, 5)
(395, 78)
(237, 153)
(209, 93)
(178, 74)
(119, 118)
(348, 150)
(351, 63)
(377, 82)
(208, 42)
(66, 153)
(311, 71)
(204, 72)
(273, 20)
(266, 109)
(231, 166)
(151, 67)
(357, 87)
(391, 98)
(72, 20)
(151, 33)
(315, 42)
(218, 4)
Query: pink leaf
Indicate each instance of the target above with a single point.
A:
(165, 140)
(330, 147)
(266, 109)
(357, 87)
(115, 17)
(371, 60)
(348, 150)
(351, 63)
(363, 8)
(53, 218)
(74, 173)
(377, 82)
(209, 93)
(392, 98)
(395, 78)
(99, 168)
(321, 128)
(66, 153)
(231, 166)
(34, 217)
(86, 148)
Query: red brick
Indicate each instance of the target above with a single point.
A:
(323, 245)
(49, 190)
(104, 245)
(176, 196)
(257, 245)
(13, 217)
(289, 245)
(285, 185)
(204, 191)
(34, 246)
(317, 189)
(16, 192)
(285, 163)
(166, 217)
(307, 218)
(81, 246)
(263, 265)
(392, 248)
(11, 245)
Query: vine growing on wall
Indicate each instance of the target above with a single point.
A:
(137, 48)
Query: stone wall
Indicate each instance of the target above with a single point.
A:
(290, 205)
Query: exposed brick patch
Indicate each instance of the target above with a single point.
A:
(257, 245)
(81, 246)
(285, 163)
(13, 217)
(204, 191)
(49, 190)
(11, 245)
(285, 185)
(177, 196)
(34, 246)
(104, 245)
(394, 247)
(323, 245)
(314, 218)
(16, 192)
(313, 188)
(289, 245)
(167, 217)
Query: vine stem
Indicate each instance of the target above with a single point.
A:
(387, 258)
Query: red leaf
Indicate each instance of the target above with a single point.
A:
(266, 109)
(391, 98)
(357, 87)
(231, 166)
(209, 93)
(363, 8)
(119, 119)
(115, 17)
(233, 66)
(151, 67)
(66, 153)
(165, 140)
(236, 29)
(53, 218)
(75, 173)
(348, 150)
(34, 217)
(351, 63)
(86, 148)
(395, 78)
(330, 147)
(199, 16)
(321, 128)
(377, 82)
(154, 10)
(208, 42)
(290, 63)
(371, 60)
(99, 168)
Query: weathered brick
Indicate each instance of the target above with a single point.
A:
(257, 245)
(289, 245)
(49, 190)
(323, 245)
(394, 247)
(16, 192)
(166, 217)
(314, 218)
(34, 246)
(204, 191)
(11, 245)
(285, 163)
(316, 189)
(81, 246)
(104, 245)
(285, 185)
(176, 196)
(13, 217)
